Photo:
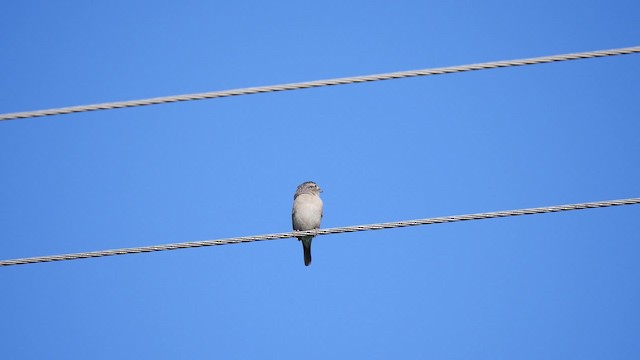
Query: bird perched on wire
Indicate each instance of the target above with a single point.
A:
(307, 214)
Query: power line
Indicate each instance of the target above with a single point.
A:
(338, 230)
(320, 83)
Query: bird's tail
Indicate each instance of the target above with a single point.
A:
(306, 247)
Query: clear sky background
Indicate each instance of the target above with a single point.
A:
(552, 286)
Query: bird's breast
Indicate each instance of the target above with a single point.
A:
(307, 212)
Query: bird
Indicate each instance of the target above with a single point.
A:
(306, 214)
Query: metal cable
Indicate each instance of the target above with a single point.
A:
(319, 83)
(338, 230)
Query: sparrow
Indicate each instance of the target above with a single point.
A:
(307, 214)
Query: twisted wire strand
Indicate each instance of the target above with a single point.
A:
(337, 230)
(320, 83)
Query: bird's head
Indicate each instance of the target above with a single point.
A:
(308, 187)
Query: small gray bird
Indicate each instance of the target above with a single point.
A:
(307, 214)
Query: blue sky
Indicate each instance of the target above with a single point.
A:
(552, 286)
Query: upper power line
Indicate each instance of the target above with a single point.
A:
(356, 228)
(320, 83)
